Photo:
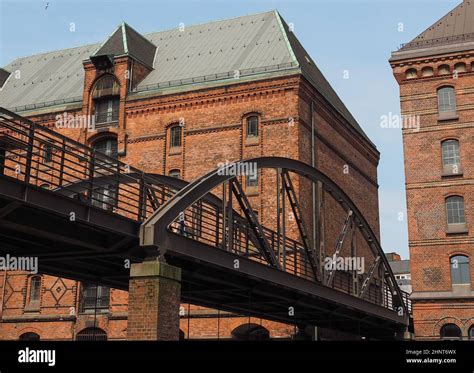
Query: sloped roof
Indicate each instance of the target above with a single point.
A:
(253, 45)
(125, 40)
(456, 27)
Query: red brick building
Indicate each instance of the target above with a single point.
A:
(180, 102)
(435, 72)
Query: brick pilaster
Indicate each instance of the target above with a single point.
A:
(154, 300)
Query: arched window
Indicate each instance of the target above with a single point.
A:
(91, 334)
(451, 157)
(444, 70)
(176, 136)
(451, 332)
(460, 67)
(471, 333)
(446, 100)
(106, 96)
(411, 74)
(252, 126)
(175, 173)
(427, 71)
(250, 332)
(107, 146)
(460, 270)
(94, 298)
(455, 210)
(30, 336)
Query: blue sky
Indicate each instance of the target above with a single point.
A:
(357, 36)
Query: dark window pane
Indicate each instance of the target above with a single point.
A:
(108, 147)
(106, 110)
(94, 297)
(35, 289)
(29, 337)
(252, 126)
(450, 331)
(47, 153)
(175, 137)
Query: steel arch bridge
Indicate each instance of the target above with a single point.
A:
(83, 214)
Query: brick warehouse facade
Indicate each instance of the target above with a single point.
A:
(436, 76)
(185, 128)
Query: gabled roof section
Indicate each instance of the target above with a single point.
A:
(4, 75)
(453, 31)
(126, 41)
(312, 73)
(257, 46)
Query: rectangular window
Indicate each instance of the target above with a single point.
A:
(252, 126)
(175, 137)
(107, 110)
(455, 210)
(252, 180)
(47, 153)
(446, 100)
(451, 153)
(94, 297)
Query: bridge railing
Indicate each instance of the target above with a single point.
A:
(203, 222)
(39, 156)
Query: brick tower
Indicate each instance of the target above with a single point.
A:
(435, 72)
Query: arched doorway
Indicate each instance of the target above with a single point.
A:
(450, 332)
(91, 334)
(30, 336)
(250, 332)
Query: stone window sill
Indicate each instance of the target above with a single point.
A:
(448, 116)
(33, 307)
(251, 191)
(175, 151)
(252, 141)
(457, 229)
(449, 172)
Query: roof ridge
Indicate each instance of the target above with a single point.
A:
(213, 21)
(280, 21)
(144, 35)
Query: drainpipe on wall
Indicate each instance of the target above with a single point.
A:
(313, 185)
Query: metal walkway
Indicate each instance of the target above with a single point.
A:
(86, 215)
